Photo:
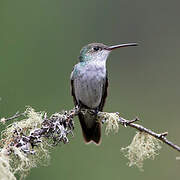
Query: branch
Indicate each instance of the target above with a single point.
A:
(105, 117)
(26, 141)
(161, 136)
(15, 116)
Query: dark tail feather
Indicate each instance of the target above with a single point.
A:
(92, 133)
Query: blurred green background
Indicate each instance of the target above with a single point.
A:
(40, 41)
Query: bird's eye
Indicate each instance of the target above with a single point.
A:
(97, 48)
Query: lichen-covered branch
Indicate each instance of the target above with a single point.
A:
(160, 136)
(24, 142)
(27, 141)
(131, 123)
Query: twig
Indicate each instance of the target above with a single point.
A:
(161, 136)
(4, 120)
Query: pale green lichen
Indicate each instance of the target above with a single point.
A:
(5, 168)
(111, 121)
(18, 161)
(142, 147)
(3, 120)
(33, 120)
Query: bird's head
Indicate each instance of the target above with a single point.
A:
(99, 51)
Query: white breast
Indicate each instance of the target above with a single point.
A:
(88, 84)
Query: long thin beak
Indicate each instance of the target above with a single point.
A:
(110, 48)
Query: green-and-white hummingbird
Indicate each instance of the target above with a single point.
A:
(89, 84)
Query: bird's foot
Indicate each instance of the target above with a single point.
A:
(94, 111)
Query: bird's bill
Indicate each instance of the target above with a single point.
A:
(110, 48)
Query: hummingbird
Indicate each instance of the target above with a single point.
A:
(89, 83)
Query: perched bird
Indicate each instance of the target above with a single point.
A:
(89, 84)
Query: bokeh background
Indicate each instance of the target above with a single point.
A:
(40, 41)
